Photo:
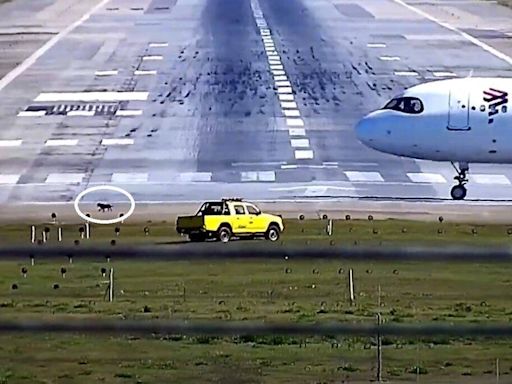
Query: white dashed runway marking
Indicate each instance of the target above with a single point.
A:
(152, 58)
(80, 113)
(444, 74)
(490, 179)
(363, 176)
(10, 143)
(303, 154)
(376, 45)
(31, 113)
(295, 122)
(258, 176)
(117, 142)
(144, 72)
(60, 142)
(300, 143)
(406, 73)
(9, 179)
(195, 177)
(158, 45)
(129, 112)
(106, 73)
(284, 91)
(65, 178)
(389, 58)
(426, 178)
(129, 177)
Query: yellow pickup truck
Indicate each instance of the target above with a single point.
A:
(227, 218)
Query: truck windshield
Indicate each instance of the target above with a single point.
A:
(215, 208)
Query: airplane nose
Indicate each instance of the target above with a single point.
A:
(365, 130)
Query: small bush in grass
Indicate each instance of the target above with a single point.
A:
(417, 369)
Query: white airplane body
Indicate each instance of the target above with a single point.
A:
(457, 120)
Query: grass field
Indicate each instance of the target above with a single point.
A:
(279, 290)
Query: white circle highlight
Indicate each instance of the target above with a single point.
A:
(104, 188)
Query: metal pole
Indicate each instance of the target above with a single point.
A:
(497, 370)
(351, 285)
(59, 233)
(33, 233)
(111, 286)
(379, 352)
(87, 230)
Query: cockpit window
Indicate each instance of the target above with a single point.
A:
(411, 105)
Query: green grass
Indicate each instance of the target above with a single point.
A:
(308, 232)
(253, 290)
(278, 290)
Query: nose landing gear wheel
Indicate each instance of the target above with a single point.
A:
(458, 192)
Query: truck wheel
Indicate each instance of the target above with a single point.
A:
(224, 234)
(272, 233)
(196, 237)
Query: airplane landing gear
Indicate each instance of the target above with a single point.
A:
(459, 191)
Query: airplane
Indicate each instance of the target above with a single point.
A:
(463, 120)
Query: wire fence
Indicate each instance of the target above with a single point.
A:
(274, 251)
(233, 328)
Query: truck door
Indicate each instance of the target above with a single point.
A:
(458, 110)
(241, 219)
(256, 221)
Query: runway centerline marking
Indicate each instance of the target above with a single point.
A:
(10, 143)
(29, 61)
(283, 89)
(450, 27)
(60, 142)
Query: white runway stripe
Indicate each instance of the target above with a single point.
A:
(158, 45)
(300, 143)
(426, 178)
(10, 143)
(376, 45)
(444, 74)
(129, 112)
(296, 131)
(106, 73)
(61, 142)
(117, 142)
(283, 84)
(140, 72)
(276, 67)
(152, 58)
(363, 176)
(490, 179)
(278, 72)
(92, 96)
(280, 78)
(301, 154)
(288, 105)
(291, 112)
(129, 177)
(406, 73)
(295, 122)
(65, 178)
(389, 58)
(9, 179)
(284, 90)
(286, 97)
(31, 113)
(258, 176)
(195, 177)
(80, 113)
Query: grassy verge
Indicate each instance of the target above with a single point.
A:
(360, 232)
(298, 291)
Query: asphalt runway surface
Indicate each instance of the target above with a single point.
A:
(201, 99)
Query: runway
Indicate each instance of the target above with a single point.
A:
(178, 100)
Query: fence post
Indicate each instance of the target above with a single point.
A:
(379, 350)
(59, 233)
(87, 230)
(111, 286)
(351, 285)
(32, 234)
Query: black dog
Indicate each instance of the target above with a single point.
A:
(104, 207)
